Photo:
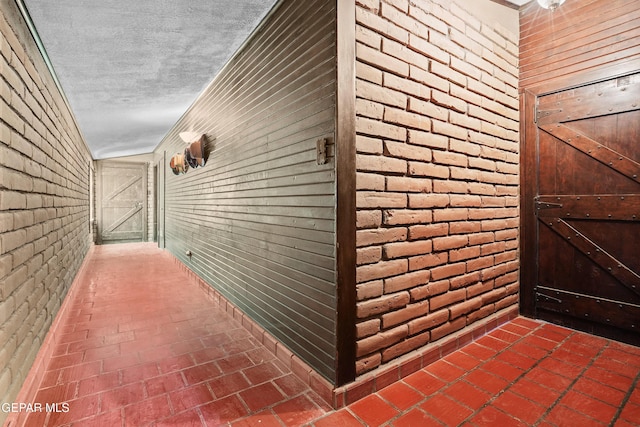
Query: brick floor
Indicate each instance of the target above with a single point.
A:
(140, 345)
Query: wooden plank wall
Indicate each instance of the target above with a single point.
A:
(581, 36)
(259, 217)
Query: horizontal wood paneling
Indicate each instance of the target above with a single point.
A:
(579, 36)
(259, 217)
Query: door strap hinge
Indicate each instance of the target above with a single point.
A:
(547, 205)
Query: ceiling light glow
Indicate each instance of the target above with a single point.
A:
(550, 4)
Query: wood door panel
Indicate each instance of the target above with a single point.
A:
(587, 208)
(591, 309)
(580, 265)
(122, 200)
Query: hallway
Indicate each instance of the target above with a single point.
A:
(142, 345)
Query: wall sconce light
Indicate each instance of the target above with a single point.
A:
(195, 155)
(550, 4)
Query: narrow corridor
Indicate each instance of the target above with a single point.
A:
(141, 345)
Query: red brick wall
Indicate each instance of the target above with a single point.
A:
(437, 174)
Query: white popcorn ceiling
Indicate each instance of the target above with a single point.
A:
(130, 69)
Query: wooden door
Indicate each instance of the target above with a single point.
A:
(122, 197)
(587, 208)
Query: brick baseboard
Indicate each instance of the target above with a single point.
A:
(372, 381)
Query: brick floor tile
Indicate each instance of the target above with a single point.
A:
(373, 410)
(189, 418)
(504, 335)
(492, 343)
(113, 418)
(99, 383)
(79, 409)
(116, 398)
(424, 382)
(622, 368)
(82, 371)
(599, 391)
(415, 418)
(297, 411)
(552, 333)
(191, 397)
(290, 384)
(234, 362)
(446, 409)
(73, 336)
(119, 362)
(571, 357)
(401, 395)
(561, 368)
(176, 363)
(342, 418)
(101, 353)
(467, 394)
(228, 384)
(548, 379)
(147, 411)
(502, 370)
(445, 370)
(240, 345)
(529, 350)
(627, 348)
(153, 352)
(261, 396)
(65, 361)
(486, 381)
(492, 417)
(578, 347)
(478, 351)
(526, 323)
(535, 392)
(265, 418)
(164, 383)
(587, 340)
(208, 354)
(57, 393)
(139, 373)
(516, 359)
(200, 373)
(462, 360)
(519, 407)
(540, 342)
(223, 411)
(589, 406)
(261, 373)
(515, 329)
(609, 378)
(562, 416)
(631, 413)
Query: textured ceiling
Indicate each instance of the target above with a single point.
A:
(130, 69)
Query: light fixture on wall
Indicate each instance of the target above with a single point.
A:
(194, 155)
(550, 4)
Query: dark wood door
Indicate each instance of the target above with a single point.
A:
(587, 208)
(122, 197)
